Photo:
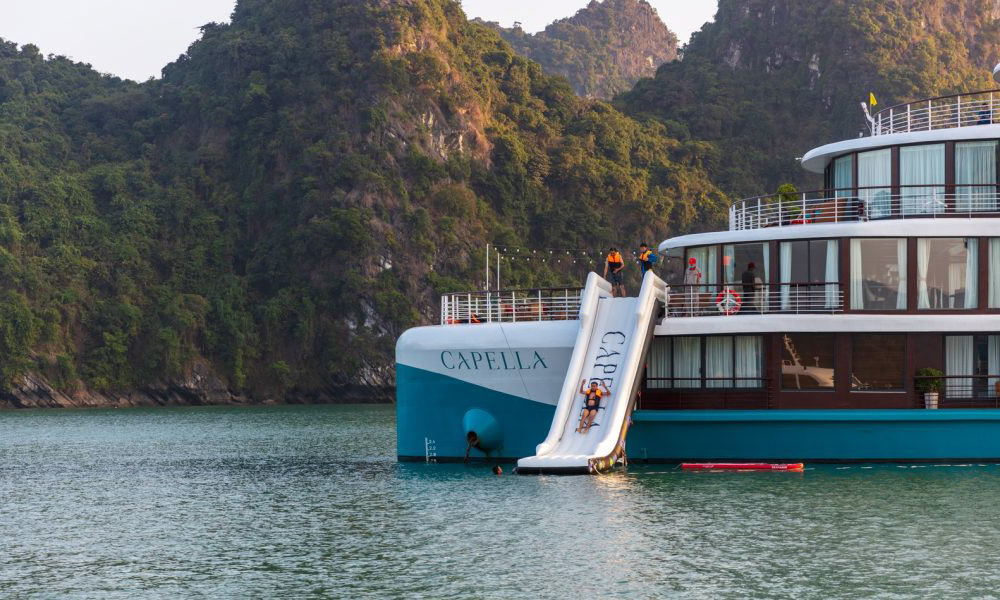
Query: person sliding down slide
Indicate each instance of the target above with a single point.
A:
(592, 403)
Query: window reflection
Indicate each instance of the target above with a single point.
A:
(947, 270)
(878, 362)
(878, 274)
(807, 361)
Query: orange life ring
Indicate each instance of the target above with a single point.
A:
(728, 302)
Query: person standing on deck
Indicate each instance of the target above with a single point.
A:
(692, 278)
(615, 264)
(645, 259)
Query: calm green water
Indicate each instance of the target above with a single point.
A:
(309, 502)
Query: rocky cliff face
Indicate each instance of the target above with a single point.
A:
(297, 190)
(603, 49)
(769, 79)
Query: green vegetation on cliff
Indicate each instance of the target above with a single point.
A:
(603, 49)
(295, 191)
(770, 79)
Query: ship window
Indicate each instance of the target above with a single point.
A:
(874, 179)
(658, 364)
(994, 273)
(809, 274)
(737, 260)
(807, 361)
(729, 361)
(842, 175)
(919, 167)
(878, 362)
(672, 266)
(972, 366)
(947, 270)
(976, 176)
(878, 274)
(687, 362)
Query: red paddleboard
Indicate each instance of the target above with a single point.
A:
(743, 466)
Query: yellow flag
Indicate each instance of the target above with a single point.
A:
(871, 99)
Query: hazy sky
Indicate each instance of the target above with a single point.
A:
(137, 38)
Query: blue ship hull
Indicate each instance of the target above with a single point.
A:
(433, 409)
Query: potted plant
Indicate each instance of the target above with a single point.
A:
(929, 382)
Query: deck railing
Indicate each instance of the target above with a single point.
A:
(762, 298)
(943, 112)
(965, 391)
(511, 306)
(865, 204)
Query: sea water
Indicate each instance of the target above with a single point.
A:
(310, 502)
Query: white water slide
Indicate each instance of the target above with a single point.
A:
(611, 348)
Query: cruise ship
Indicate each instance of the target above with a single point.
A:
(867, 329)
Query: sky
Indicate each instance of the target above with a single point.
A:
(135, 39)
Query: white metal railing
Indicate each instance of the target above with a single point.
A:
(944, 112)
(864, 204)
(511, 306)
(760, 298)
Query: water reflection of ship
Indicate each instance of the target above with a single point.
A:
(819, 376)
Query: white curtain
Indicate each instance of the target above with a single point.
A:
(971, 272)
(857, 279)
(994, 363)
(922, 165)
(956, 277)
(749, 353)
(923, 261)
(901, 263)
(785, 265)
(712, 270)
(718, 361)
(842, 177)
(659, 363)
(994, 279)
(832, 273)
(958, 362)
(687, 362)
(875, 170)
(976, 168)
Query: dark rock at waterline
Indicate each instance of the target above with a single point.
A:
(198, 388)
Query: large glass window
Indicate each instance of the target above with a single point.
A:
(947, 270)
(921, 179)
(807, 361)
(976, 176)
(659, 364)
(719, 362)
(972, 366)
(729, 361)
(874, 180)
(687, 362)
(747, 269)
(809, 274)
(878, 274)
(842, 176)
(994, 298)
(878, 362)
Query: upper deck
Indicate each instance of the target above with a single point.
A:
(944, 112)
(930, 158)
